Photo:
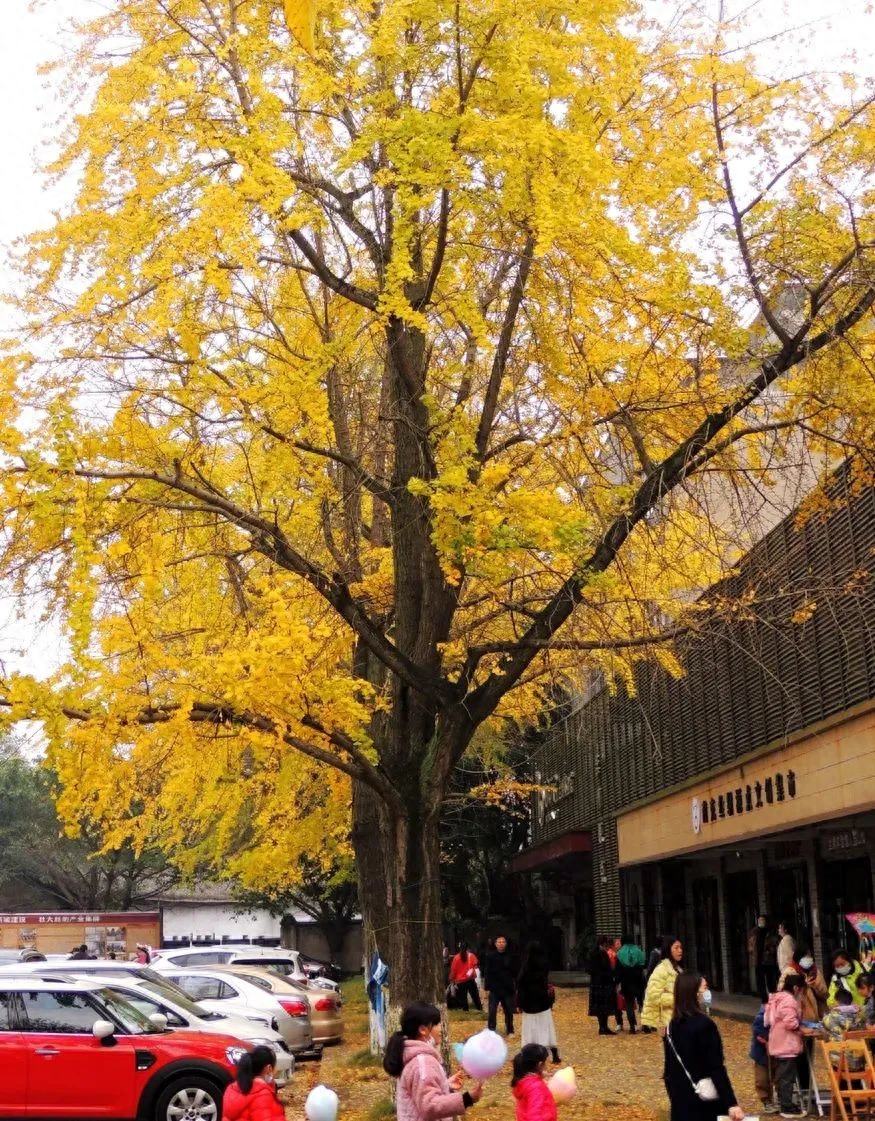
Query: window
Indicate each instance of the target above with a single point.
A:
(150, 1007)
(204, 988)
(214, 957)
(7, 1018)
(59, 1012)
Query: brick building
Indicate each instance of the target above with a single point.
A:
(748, 784)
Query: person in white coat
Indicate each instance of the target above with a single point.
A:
(786, 947)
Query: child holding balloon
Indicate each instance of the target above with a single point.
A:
(534, 1102)
(413, 1057)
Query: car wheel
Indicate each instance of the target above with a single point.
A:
(190, 1099)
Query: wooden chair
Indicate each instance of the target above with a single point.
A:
(852, 1079)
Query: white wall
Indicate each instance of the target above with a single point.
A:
(216, 920)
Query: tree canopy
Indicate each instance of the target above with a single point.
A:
(362, 394)
(42, 867)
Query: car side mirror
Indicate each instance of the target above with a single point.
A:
(159, 1021)
(104, 1031)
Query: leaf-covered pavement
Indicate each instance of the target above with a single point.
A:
(619, 1078)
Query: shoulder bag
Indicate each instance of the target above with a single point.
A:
(704, 1089)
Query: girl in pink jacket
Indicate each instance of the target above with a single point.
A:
(413, 1057)
(534, 1102)
(783, 1017)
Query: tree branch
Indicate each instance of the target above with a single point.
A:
(337, 284)
(676, 467)
(738, 224)
(205, 712)
(502, 352)
(271, 542)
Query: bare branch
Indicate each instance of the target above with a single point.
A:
(337, 284)
(502, 352)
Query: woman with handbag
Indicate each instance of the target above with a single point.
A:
(695, 1073)
(535, 999)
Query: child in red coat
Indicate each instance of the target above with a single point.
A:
(534, 1102)
(252, 1094)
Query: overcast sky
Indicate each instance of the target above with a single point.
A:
(829, 31)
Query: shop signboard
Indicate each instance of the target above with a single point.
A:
(823, 780)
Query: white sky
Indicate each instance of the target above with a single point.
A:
(830, 30)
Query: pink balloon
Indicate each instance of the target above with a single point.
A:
(484, 1054)
(563, 1085)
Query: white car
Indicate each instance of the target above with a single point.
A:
(241, 955)
(221, 991)
(164, 999)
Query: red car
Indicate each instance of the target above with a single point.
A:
(73, 1049)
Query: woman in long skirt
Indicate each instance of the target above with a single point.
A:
(535, 997)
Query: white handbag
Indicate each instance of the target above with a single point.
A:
(704, 1089)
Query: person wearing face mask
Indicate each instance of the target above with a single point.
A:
(814, 995)
(412, 1055)
(846, 971)
(252, 1094)
(812, 1003)
(693, 1053)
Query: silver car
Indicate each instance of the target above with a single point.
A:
(222, 991)
(283, 961)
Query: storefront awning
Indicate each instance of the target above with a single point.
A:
(539, 855)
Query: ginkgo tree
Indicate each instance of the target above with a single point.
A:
(362, 394)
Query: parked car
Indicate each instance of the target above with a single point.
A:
(326, 1016)
(286, 967)
(71, 1048)
(313, 967)
(168, 1000)
(289, 960)
(97, 967)
(107, 969)
(223, 991)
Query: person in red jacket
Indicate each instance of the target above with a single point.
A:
(252, 1095)
(463, 974)
(534, 1102)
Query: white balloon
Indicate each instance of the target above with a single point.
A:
(321, 1104)
(484, 1054)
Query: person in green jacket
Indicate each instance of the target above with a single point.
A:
(846, 970)
(630, 974)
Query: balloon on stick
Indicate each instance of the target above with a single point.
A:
(321, 1104)
(484, 1054)
(563, 1085)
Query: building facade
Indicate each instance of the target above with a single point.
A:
(748, 784)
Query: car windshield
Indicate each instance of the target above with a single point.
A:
(282, 968)
(131, 1019)
(181, 999)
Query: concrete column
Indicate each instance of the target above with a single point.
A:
(811, 867)
(722, 923)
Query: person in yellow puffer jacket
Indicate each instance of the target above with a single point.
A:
(659, 996)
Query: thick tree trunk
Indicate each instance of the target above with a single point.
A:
(398, 862)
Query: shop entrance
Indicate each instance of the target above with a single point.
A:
(709, 960)
(846, 886)
(789, 901)
(741, 918)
